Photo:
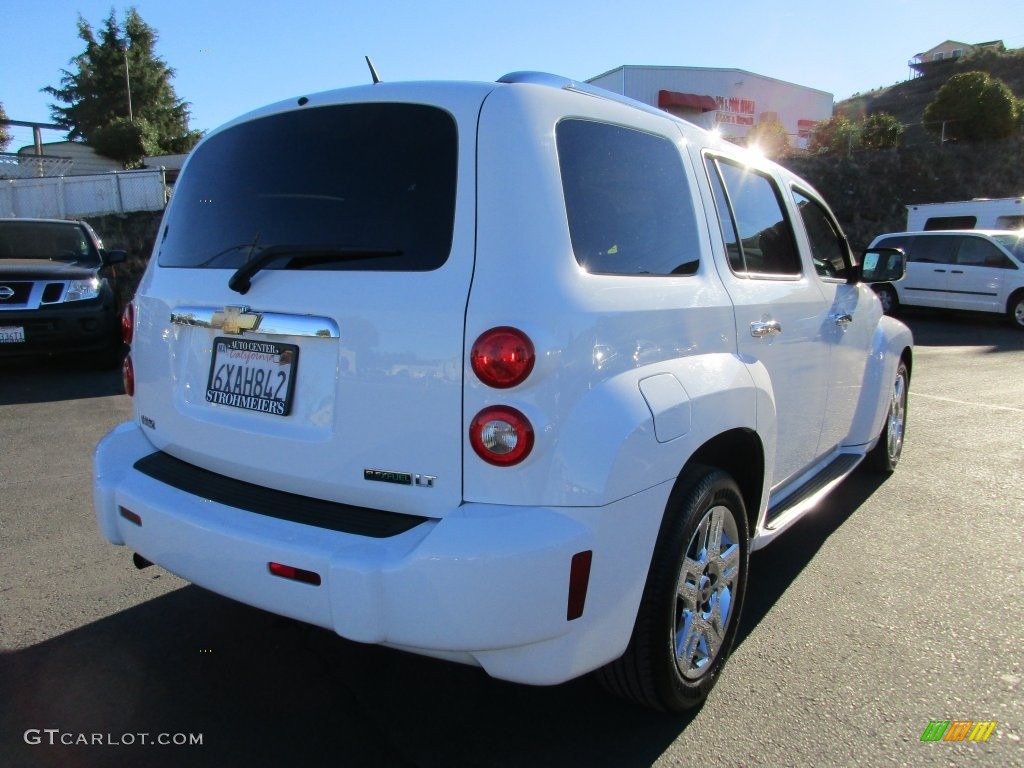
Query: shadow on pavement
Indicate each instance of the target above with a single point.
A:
(949, 328)
(262, 690)
(775, 567)
(50, 380)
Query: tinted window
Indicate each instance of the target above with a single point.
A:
(978, 252)
(52, 240)
(896, 241)
(373, 177)
(1009, 222)
(933, 250)
(950, 222)
(627, 200)
(1013, 243)
(725, 219)
(759, 222)
(829, 250)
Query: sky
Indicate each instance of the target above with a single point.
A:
(231, 56)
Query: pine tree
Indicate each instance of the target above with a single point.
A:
(5, 133)
(122, 117)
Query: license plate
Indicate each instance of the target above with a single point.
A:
(12, 334)
(254, 375)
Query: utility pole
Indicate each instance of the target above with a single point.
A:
(127, 80)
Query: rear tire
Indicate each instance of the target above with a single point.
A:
(690, 611)
(886, 454)
(1015, 310)
(888, 298)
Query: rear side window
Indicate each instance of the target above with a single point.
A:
(627, 199)
(1012, 242)
(758, 236)
(371, 179)
(978, 252)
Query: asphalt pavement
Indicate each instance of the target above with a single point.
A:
(895, 604)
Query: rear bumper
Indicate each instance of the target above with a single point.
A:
(486, 584)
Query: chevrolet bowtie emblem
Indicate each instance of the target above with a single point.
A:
(236, 320)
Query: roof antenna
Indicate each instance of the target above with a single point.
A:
(373, 72)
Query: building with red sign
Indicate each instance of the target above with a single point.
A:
(732, 101)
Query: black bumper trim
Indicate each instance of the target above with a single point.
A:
(282, 505)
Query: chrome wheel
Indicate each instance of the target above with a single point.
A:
(887, 298)
(1017, 312)
(897, 416)
(706, 592)
(690, 611)
(886, 454)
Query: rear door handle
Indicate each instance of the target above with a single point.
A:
(958, 271)
(769, 328)
(939, 270)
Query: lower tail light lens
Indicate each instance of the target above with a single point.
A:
(128, 375)
(128, 322)
(501, 435)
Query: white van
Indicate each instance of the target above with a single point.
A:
(974, 270)
(514, 374)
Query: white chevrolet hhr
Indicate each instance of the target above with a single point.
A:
(515, 374)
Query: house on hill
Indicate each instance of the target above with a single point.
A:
(947, 51)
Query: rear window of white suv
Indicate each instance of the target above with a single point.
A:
(628, 202)
(359, 186)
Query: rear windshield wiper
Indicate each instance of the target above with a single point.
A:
(302, 255)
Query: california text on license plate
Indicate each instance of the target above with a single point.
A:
(255, 375)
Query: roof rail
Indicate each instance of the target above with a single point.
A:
(568, 84)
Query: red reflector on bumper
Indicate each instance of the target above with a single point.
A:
(295, 574)
(130, 516)
(579, 580)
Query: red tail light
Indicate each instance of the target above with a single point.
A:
(295, 574)
(128, 375)
(128, 323)
(501, 435)
(502, 357)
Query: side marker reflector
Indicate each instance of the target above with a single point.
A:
(579, 580)
(295, 574)
(130, 516)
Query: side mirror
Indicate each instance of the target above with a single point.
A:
(114, 257)
(883, 265)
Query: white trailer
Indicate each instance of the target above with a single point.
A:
(979, 213)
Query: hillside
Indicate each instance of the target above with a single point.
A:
(907, 100)
(869, 190)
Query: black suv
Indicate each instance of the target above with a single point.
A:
(57, 292)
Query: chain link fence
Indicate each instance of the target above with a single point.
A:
(14, 166)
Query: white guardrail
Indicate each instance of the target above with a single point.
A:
(98, 194)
